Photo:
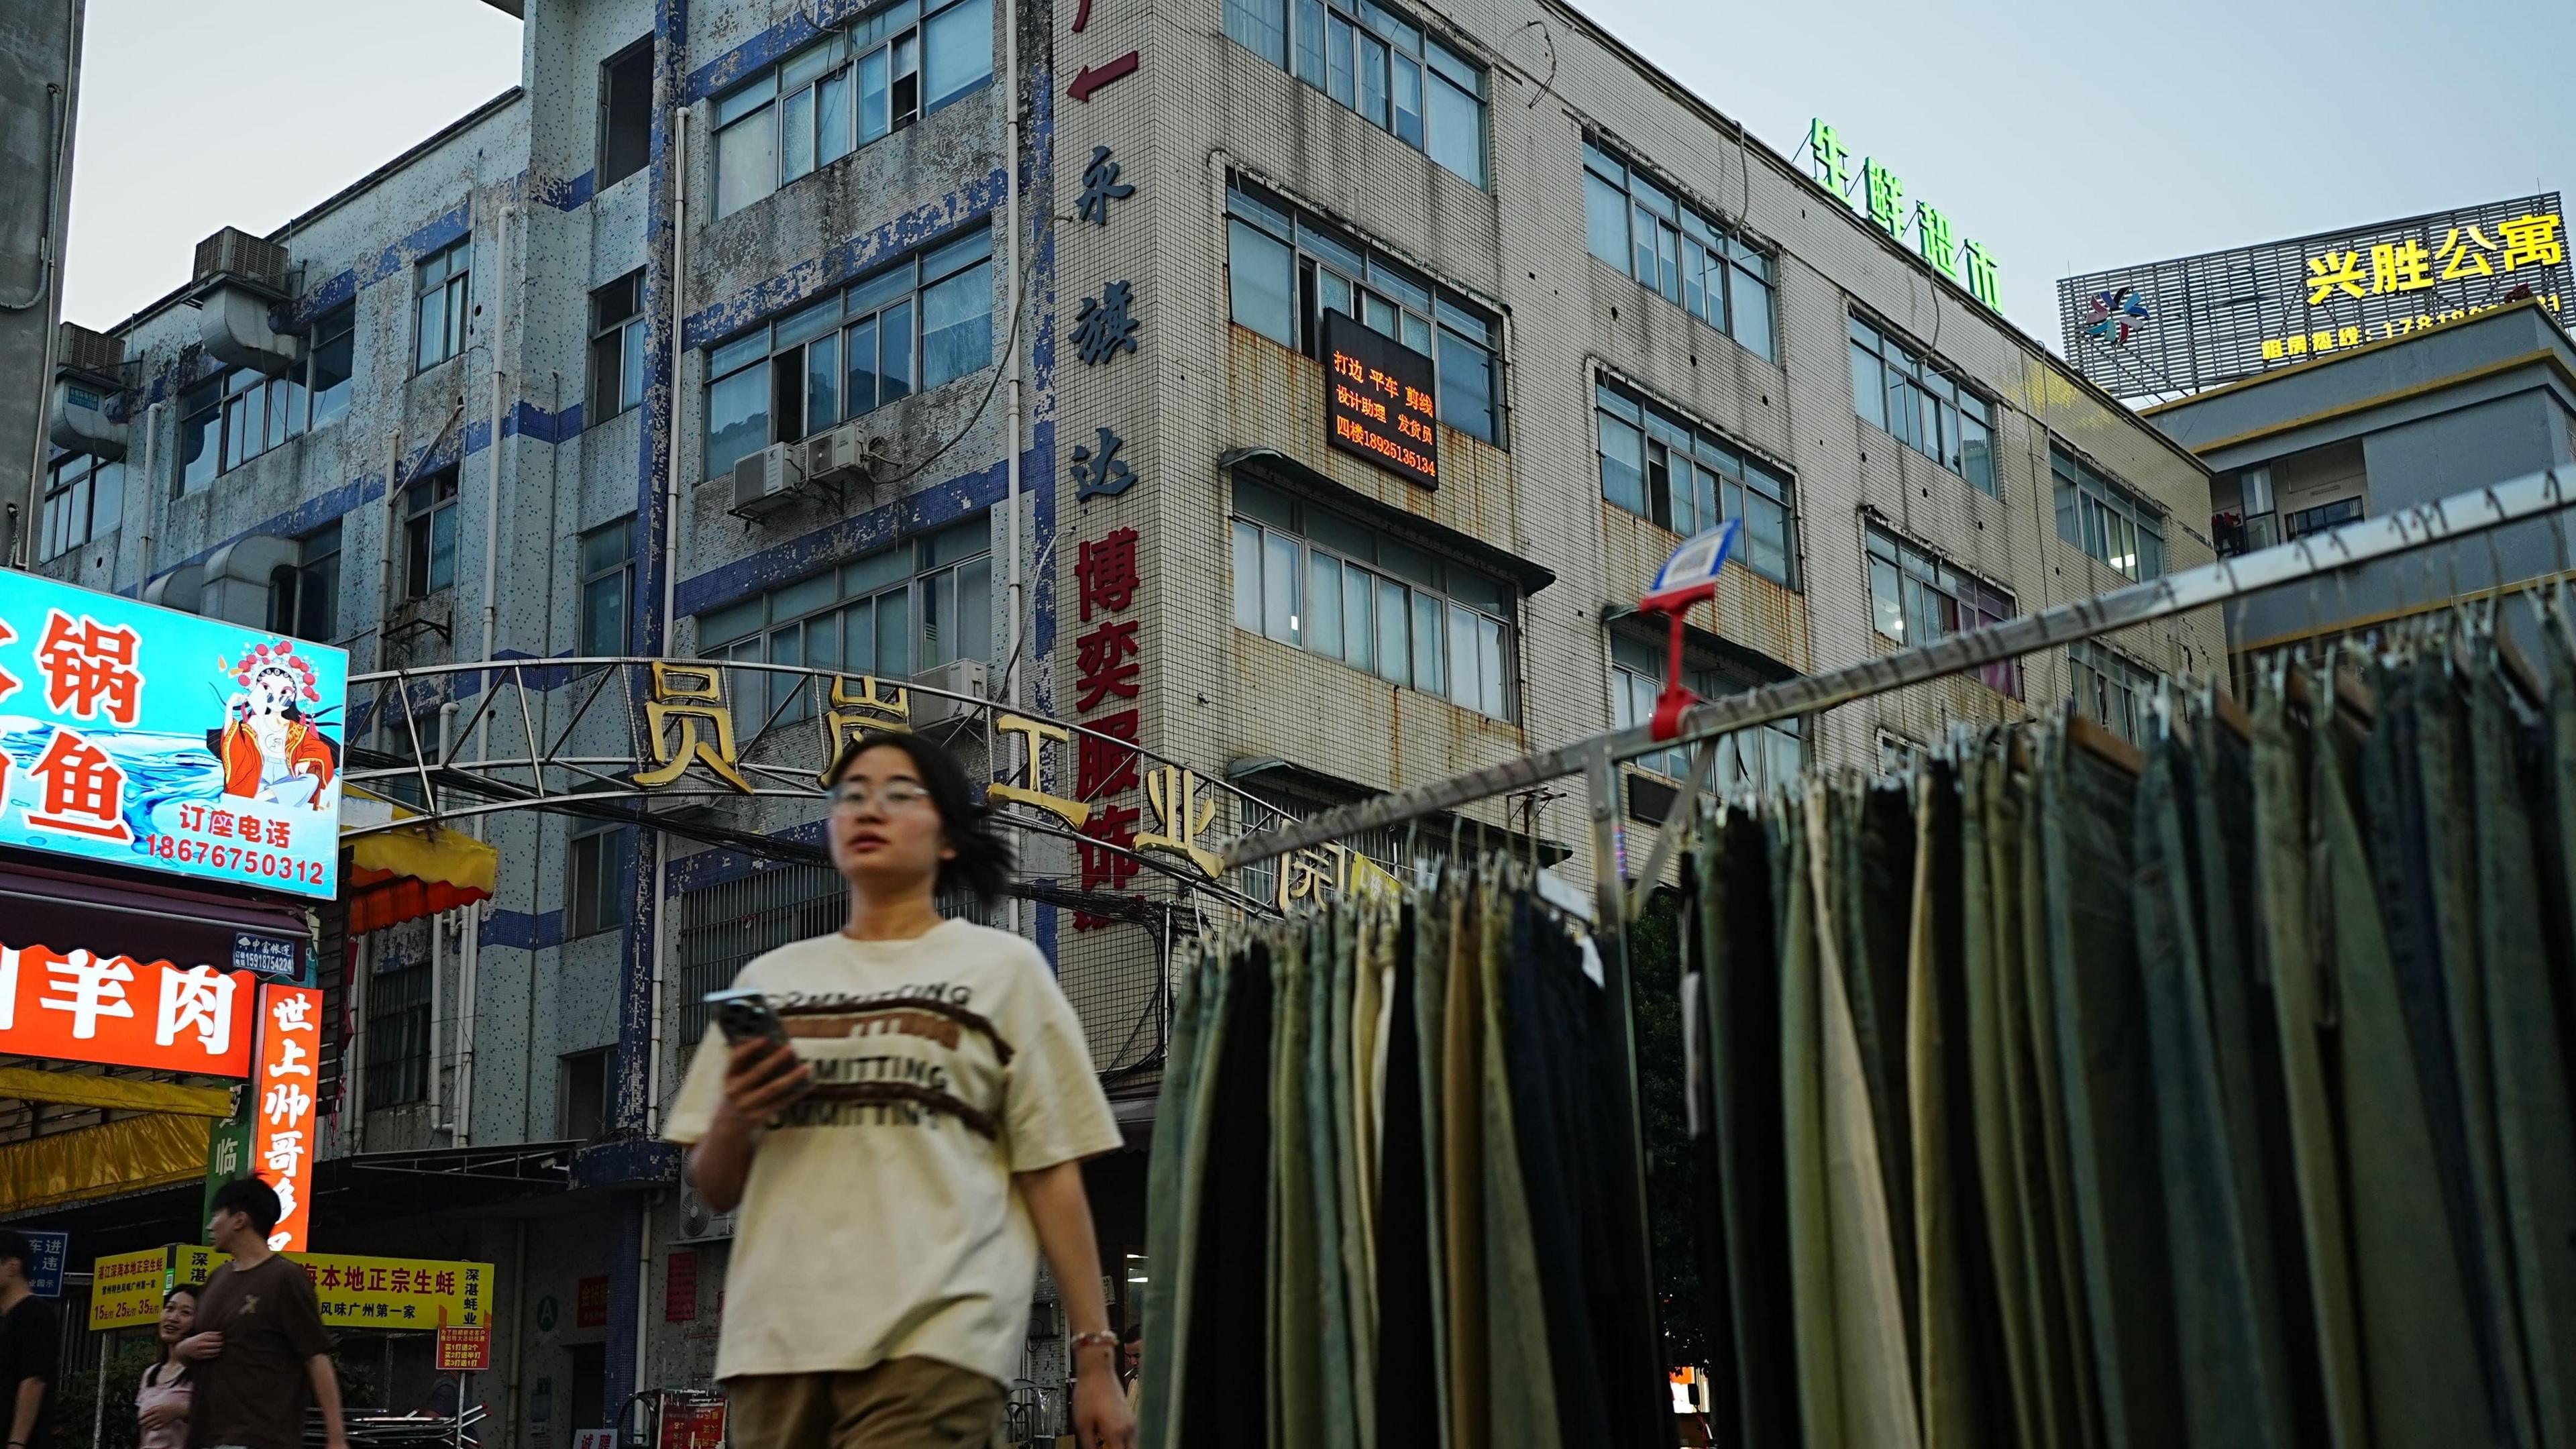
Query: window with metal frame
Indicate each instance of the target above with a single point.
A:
(1920, 401)
(429, 535)
(1378, 63)
(2323, 516)
(398, 1007)
(2106, 520)
(1308, 576)
(1746, 760)
(84, 499)
(924, 321)
(229, 420)
(897, 613)
(1286, 270)
(442, 286)
(602, 859)
(1645, 229)
(625, 114)
(304, 596)
(1916, 598)
(2110, 688)
(587, 1084)
(616, 348)
(607, 578)
(862, 81)
(1658, 465)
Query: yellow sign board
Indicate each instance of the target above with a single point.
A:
(395, 1293)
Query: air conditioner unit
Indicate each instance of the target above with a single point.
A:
(844, 457)
(765, 480)
(957, 676)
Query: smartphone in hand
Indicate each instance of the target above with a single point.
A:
(743, 1015)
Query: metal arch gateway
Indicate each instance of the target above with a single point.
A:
(658, 741)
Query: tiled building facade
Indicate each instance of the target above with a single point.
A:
(815, 196)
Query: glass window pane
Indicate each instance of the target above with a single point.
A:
(1359, 633)
(737, 418)
(1416, 333)
(1887, 608)
(750, 347)
(1339, 82)
(822, 383)
(1465, 685)
(1394, 655)
(1623, 465)
(1373, 80)
(334, 360)
(1668, 261)
(1869, 390)
(1749, 313)
(832, 118)
(1467, 387)
(1378, 313)
(875, 117)
(740, 103)
(1262, 274)
(975, 609)
(894, 632)
(1490, 671)
(630, 373)
(807, 322)
(796, 134)
(107, 505)
(936, 596)
(1408, 100)
(442, 548)
(862, 342)
(431, 330)
(1429, 623)
(1457, 131)
(1279, 570)
(958, 46)
(746, 161)
(859, 638)
(1310, 42)
(1259, 26)
(894, 352)
(1322, 624)
(1334, 293)
(957, 325)
(1976, 452)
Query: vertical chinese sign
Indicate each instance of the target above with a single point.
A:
(283, 1114)
(143, 737)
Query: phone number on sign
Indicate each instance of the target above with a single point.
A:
(264, 863)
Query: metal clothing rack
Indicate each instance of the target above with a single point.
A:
(1596, 758)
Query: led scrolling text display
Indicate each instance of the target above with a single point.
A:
(1382, 406)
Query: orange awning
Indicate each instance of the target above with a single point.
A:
(412, 870)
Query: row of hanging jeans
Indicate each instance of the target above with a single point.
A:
(2212, 1092)
(1390, 1200)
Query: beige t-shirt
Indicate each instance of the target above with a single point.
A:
(880, 1220)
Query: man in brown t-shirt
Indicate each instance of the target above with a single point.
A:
(259, 1343)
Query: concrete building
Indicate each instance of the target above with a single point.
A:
(39, 99)
(698, 231)
(2379, 428)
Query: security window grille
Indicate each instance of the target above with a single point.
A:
(398, 1007)
(232, 419)
(1286, 270)
(896, 613)
(625, 114)
(1641, 227)
(1918, 401)
(607, 576)
(304, 597)
(1917, 598)
(441, 285)
(723, 926)
(603, 862)
(84, 499)
(856, 84)
(429, 535)
(616, 348)
(1657, 465)
(2106, 520)
(1746, 760)
(1307, 576)
(1378, 63)
(2111, 689)
(853, 351)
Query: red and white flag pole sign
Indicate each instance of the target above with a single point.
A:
(283, 1107)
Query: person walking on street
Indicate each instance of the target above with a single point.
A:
(259, 1347)
(29, 1346)
(902, 1159)
(161, 1398)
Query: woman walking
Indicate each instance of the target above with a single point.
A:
(901, 1160)
(161, 1398)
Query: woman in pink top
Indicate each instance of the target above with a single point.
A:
(161, 1399)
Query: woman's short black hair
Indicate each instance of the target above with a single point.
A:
(982, 865)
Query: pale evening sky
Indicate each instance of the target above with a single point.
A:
(2067, 137)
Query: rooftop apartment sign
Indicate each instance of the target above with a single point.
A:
(1881, 198)
(2181, 325)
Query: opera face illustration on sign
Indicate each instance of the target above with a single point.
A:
(270, 750)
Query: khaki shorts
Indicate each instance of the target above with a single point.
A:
(904, 1403)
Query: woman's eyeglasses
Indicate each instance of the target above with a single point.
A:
(853, 795)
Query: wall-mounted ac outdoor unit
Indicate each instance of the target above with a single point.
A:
(957, 676)
(767, 480)
(848, 456)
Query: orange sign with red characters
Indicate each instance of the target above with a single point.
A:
(71, 1004)
(282, 1106)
